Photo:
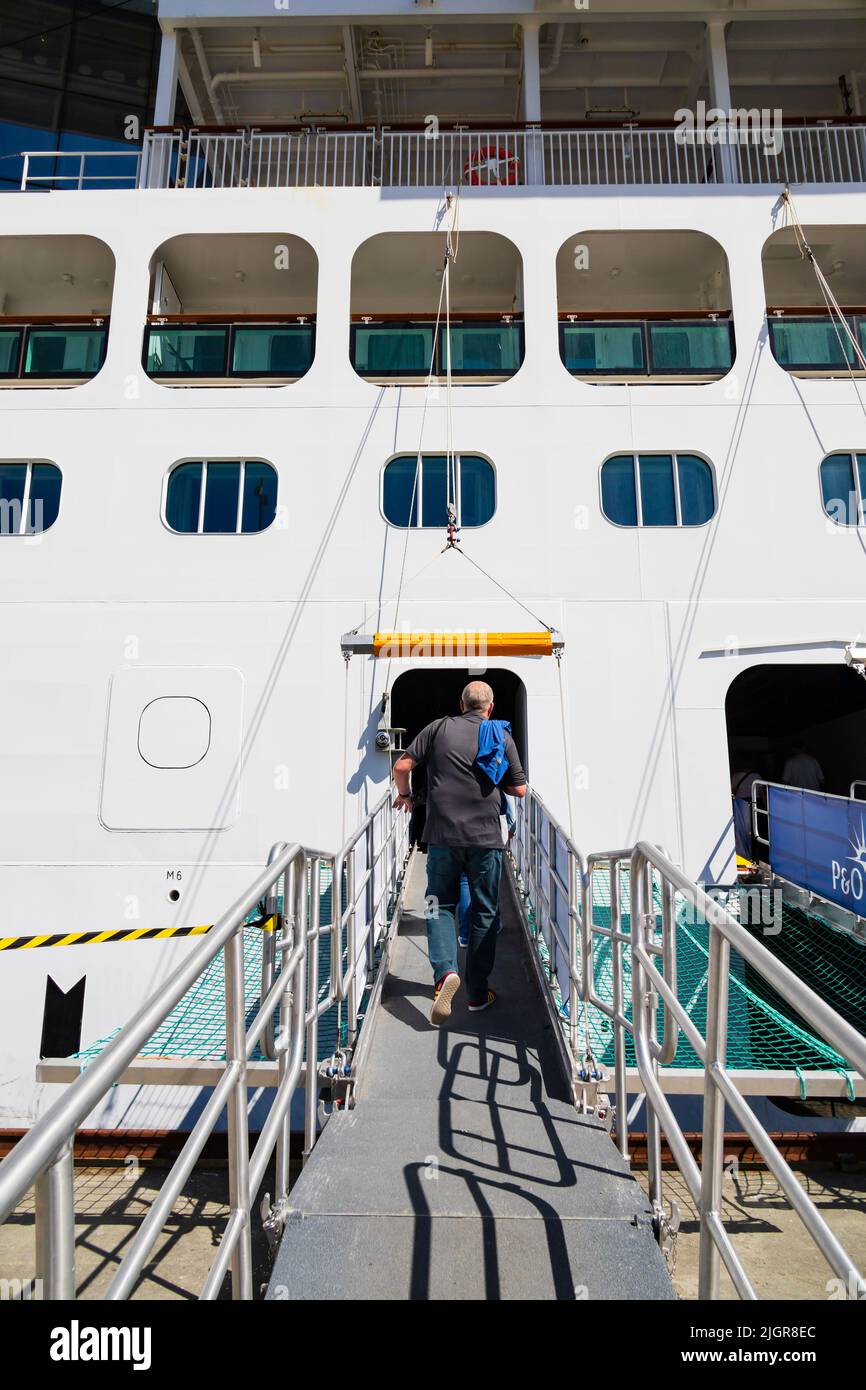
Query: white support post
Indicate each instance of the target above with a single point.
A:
(720, 91)
(166, 82)
(531, 99)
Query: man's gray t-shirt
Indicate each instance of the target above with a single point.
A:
(462, 802)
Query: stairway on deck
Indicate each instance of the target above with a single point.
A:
(464, 1171)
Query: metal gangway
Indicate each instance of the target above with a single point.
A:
(476, 1160)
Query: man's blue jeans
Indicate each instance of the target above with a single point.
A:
(483, 867)
(464, 912)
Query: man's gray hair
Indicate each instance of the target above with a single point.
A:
(477, 695)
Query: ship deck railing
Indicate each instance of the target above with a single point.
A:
(591, 154)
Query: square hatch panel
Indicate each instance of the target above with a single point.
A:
(172, 748)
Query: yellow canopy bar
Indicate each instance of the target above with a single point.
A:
(416, 645)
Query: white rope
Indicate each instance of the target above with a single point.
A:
(832, 305)
(443, 289)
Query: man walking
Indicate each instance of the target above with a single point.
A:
(463, 835)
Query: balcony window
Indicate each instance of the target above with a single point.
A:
(221, 497)
(481, 349)
(701, 348)
(407, 501)
(208, 351)
(29, 497)
(394, 350)
(648, 348)
(601, 348)
(64, 351)
(817, 344)
(657, 490)
(843, 488)
(10, 351)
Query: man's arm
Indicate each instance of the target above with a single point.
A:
(401, 769)
(516, 791)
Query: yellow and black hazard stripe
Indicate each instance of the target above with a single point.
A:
(91, 938)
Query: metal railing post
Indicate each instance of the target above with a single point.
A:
(573, 928)
(311, 1088)
(294, 913)
(238, 1135)
(55, 1226)
(370, 895)
(713, 1142)
(351, 1010)
(642, 913)
(269, 946)
(618, 1005)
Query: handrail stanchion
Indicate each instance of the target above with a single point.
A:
(713, 1147)
(55, 1226)
(311, 1089)
(618, 1004)
(645, 1005)
(574, 927)
(269, 947)
(238, 1131)
(351, 946)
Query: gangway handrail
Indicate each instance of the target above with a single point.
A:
(44, 1156)
(650, 871)
(705, 1183)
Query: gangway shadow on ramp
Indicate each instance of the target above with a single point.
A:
(464, 1170)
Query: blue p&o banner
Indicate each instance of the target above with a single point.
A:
(819, 842)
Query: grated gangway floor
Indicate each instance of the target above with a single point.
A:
(464, 1172)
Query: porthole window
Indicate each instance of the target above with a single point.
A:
(29, 496)
(657, 490)
(220, 497)
(407, 502)
(843, 488)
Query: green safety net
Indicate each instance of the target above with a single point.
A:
(764, 1031)
(196, 1025)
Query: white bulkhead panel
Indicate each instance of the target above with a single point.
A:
(172, 748)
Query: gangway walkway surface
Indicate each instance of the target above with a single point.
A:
(464, 1170)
